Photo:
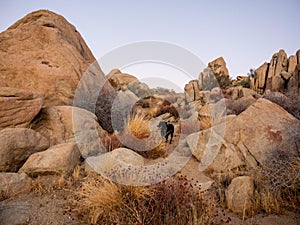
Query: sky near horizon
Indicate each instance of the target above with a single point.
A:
(245, 33)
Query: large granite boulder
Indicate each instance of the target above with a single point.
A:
(58, 159)
(43, 52)
(18, 107)
(251, 138)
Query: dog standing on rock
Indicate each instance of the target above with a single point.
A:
(167, 129)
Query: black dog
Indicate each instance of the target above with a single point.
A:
(166, 130)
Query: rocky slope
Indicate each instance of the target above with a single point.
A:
(221, 136)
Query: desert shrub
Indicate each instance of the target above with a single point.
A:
(243, 83)
(100, 201)
(278, 183)
(236, 106)
(289, 102)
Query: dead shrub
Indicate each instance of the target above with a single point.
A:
(278, 183)
(236, 106)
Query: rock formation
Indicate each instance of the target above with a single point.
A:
(278, 75)
(218, 66)
(42, 52)
(215, 75)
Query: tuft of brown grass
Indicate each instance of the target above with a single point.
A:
(139, 126)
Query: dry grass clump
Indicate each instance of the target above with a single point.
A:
(100, 201)
(139, 126)
(278, 184)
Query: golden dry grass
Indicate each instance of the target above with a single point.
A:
(139, 126)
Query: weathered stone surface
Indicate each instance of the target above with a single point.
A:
(61, 124)
(218, 66)
(17, 144)
(213, 152)
(294, 82)
(292, 63)
(277, 83)
(266, 128)
(42, 52)
(120, 80)
(14, 183)
(240, 92)
(277, 63)
(239, 194)
(298, 56)
(260, 78)
(18, 107)
(192, 90)
(285, 75)
(58, 159)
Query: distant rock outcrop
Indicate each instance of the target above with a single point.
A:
(215, 75)
(218, 66)
(44, 53)
(281, 74)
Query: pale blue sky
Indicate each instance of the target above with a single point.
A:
(245, 33)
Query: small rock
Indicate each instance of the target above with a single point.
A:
(239, 194)
(14, 183)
